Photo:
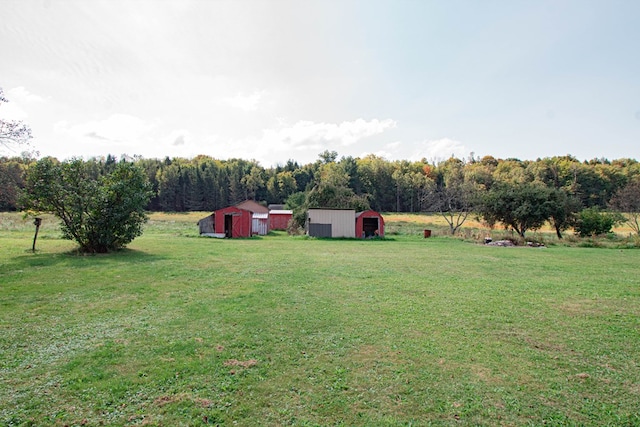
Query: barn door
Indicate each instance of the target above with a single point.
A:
(370, 226)
(240, 226)
(228, 226)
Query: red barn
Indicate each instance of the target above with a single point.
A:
(233, 222)
(369, 224)
(279, 219)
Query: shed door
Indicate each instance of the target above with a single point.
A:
(370, 226)
(228, 226)
(320, 230)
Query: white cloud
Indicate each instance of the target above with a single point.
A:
(180, 140)
(302, 141)
(125, 134)
(19, 100)
(246, 102)
(308, 134)
(12, 111)
(380, 153)
(393, 145)
(390, 151)
(440, 149)
(117, 128)
(177, 143)
(23, 96)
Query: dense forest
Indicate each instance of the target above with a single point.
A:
(204, 183)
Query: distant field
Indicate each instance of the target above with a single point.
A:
(278, 330)
(441, 227)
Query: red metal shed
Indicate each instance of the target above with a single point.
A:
(233, 222)
(369, 224)
(279, 219)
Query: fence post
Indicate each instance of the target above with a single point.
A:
(37, 223)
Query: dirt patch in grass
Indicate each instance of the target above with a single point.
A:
(182, 397)
(485, 375)
(205, 403)
(597, 307)
(165, 400)
(478, 371)
(241, 363)
(583, 307)
(367, 353)
(546, 346)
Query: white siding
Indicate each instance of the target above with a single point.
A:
(343, 221)
(260, 224)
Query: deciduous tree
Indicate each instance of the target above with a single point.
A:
(453, 197)
(521, 206)
(332, 191)
(627, 202)
(102, 214)
(563, 208)
(11, 180)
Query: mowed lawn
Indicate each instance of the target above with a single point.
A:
(180, 330)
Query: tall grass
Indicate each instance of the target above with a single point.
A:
(183, 330)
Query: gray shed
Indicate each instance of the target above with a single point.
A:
(331, 222)
(207, 224)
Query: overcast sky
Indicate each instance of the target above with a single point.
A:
(284, 79)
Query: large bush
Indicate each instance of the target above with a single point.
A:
(101, 213)
(593, 222)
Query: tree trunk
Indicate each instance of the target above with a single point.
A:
(558, 232)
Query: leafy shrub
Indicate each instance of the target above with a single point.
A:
(593, 222)
(293, 228)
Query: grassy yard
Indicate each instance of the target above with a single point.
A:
(180, 330)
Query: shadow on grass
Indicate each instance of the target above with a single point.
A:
(76, 259)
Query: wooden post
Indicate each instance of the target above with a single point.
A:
(37, 223)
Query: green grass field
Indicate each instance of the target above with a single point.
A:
(179, 330)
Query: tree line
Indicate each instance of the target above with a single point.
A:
(551, 189)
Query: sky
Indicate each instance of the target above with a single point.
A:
(288, 79)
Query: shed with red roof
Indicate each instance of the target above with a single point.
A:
(369, 224)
